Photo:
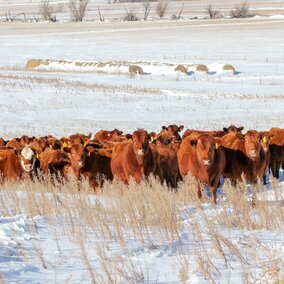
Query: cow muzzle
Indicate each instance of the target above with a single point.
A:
(27, 167)
(206, 162)
(80, 164)
(140, 152)
(265, 149)
(253, 153)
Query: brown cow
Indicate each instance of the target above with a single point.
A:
(54, 162)
(215, 133)
(14, 143)
(276, 149)
(133, 159)
(171, 132)
(166, 162)
(233, 128)
(218, 133)
(106, 135)
(244, 155)
(97, 166)
(15, 166)
(201, 155)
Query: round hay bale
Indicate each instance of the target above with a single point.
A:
(33, 63)
(135, 69)
(181, 68)
(102, 64)
(228, 67)
(201, 68)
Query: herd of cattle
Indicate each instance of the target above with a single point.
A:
(206, 155)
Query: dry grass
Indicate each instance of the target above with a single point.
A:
(149, 214)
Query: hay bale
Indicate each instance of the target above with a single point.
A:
(201, 68)
(228, 67)
(33, 63)
(181, 68)
(102, 64)
(135, 69)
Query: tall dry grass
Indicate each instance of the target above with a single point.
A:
(147, 215)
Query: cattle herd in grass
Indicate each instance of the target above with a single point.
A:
(206, 155)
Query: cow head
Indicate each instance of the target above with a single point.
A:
(140, 144)
(27, 159)
(252, 144)
(205, 146)
(234, 129)
(173, 131)
(77, 155)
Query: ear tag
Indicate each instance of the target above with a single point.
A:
(64, 145)
(216, 146)
(264, 139)
(50, 146)
(130, 140)
(37, 156)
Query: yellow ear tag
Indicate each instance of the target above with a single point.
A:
(264, 139)
(172, 142)
(50, 146)
(152, 139)
(216, 146)
(130, 140)
(85, 144)
(37, 156)
(64, 145)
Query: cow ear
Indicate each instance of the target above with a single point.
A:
(217, 142)
(181, 127)
(240, 129)
(120, 132)
(164, 128)
(193, 142)
(89, 135)
(128, 136)
(225, 129)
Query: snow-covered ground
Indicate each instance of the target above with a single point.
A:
(39, 248)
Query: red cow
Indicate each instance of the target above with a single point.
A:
(244, 155)
(201, 155)
(133, 159)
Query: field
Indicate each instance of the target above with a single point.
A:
(51, 233)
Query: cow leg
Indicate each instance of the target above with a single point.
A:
(277, 169)
(199, 193)
(264, 179)
(273, 167)
(213, 191)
